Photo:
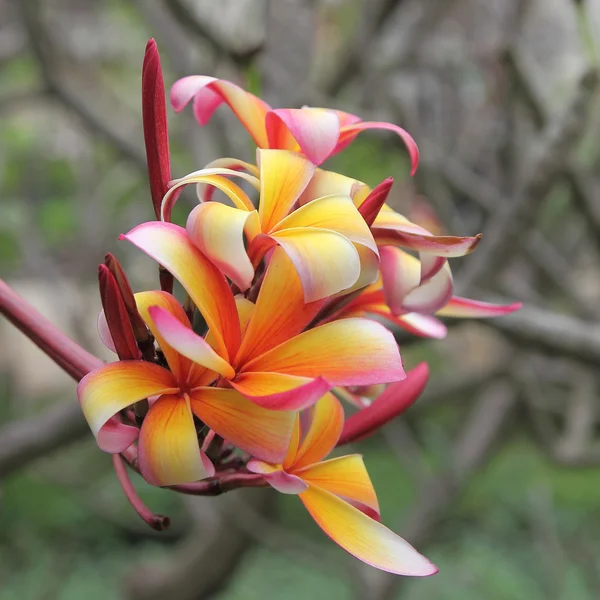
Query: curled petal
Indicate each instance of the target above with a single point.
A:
(313, 131)
(277, 478)
(169, 245)
(280, 392)
(430, 265)
(264, 433)
(104, 332)
(345, 352)
(349, 132)
(336, 213)
(401, 273)
(431, 295)
(326, 183)
(363, 537)
(217, 179)
(169, 453)
(426, 326)
(115, 437)
(464, 308)
(218, 231)
(105, 391)
(322, 434)
(208, 93)
(390, 228)
(393, 402)
(188, 343)
(345, 476)
(205, 192)
(283, 177)
(325, 260)
(280, 294)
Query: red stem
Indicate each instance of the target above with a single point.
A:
(157, 522)
(66, 353)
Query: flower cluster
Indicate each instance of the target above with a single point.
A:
(241, 382)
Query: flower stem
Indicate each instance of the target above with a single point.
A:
(157, 522)
(66, 353)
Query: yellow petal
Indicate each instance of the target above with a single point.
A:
(345, 352)
(345, 476)
(326, 261)
(363, 537)
(283, 177)
(324, 431)
(169, 453)
(169, 245)
(280, 312)
(109, 389)
(263, 433)
(218, 231)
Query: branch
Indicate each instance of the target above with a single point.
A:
(23, 441)
(546, 164)
(191, 23)
(26, 440)
(552, 332)
(43, 53)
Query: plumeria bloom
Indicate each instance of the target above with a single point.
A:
(168, 445)
(245, 376)
(338, 493)
(270, 359)
(316, 132)
(327, 239)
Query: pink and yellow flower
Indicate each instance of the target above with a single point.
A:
(274, 361)
(168, 446)
(327, 239)
(338, 493)
(318, 133)
(244, 377)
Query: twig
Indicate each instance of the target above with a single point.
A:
(546, 165)
(42, 51)
(189, 21)
(552, 332)
(34, 437)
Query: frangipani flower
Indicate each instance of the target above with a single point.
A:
(327, 239)
(316, 132)
(273, 361)
(168, 446)
(338, 493)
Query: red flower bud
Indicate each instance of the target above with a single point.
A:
(117, 317)
(372, 204)
(394, 401)
(156, 134)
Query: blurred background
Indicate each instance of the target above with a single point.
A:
(495, 472)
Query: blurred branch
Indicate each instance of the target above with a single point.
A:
(26, 440)
(41, 48)
(375, 15)
(580, 183)
(513, 219)
(200, 566)
(189, 21)
(552, 332)
(34, 437)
